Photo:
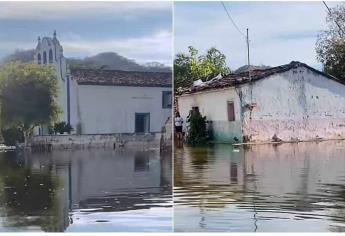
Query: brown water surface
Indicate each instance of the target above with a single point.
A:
(284, 188)
(85, 190)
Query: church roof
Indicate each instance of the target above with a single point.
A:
(122, 78)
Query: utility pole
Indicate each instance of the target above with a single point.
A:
(248, 59)
(249, 75)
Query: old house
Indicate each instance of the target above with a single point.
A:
(290, 102)
(98, 101)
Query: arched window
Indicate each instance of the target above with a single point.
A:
(39, 58)
(44, 57)
(50, 56)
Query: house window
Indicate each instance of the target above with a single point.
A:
(142, 122)
(141, 161)
(39, 58)
(166, 99)
(231, 111)
(44, 58)
(50, 56)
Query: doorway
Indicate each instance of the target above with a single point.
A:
(142, 122)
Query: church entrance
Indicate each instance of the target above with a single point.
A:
(142, 122)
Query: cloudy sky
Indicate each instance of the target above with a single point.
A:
(280, 32)
(137, 30)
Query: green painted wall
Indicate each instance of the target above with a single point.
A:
(226, 131)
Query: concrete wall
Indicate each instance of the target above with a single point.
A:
(213, 105)
(111, 109)
(110, 141)
(295, 105)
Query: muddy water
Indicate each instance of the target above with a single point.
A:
(92, 190)
(284, 188)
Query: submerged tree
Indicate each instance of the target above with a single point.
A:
(190, 67)
(28, 95)
(197, 131)
(330, 46)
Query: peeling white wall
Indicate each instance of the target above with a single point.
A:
(111, 109)
(297, 104)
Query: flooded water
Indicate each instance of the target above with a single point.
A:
(91, 190)
(282, 188)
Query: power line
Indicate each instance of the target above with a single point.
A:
(245, 36)
(329, 10)
(232, 20)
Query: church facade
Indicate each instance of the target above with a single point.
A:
(97, 101)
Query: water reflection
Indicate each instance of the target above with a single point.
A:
(288, 187)
(91, 190)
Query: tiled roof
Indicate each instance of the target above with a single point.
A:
(121, 78)
(243, 78)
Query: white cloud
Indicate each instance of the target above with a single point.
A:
(156, 47)
(63, 10)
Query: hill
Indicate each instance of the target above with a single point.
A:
(252, 67)
(24, 56)
(105, 60)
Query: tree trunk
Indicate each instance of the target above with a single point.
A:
(27, 135)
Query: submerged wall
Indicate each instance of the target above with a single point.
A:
(295, 105)
(213, 105)
(112, 141)
(166, 136)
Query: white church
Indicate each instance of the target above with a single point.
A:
(107, 101)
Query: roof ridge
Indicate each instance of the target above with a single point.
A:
(242, 78)
(110, 70)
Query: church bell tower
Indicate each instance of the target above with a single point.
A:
(50, 52)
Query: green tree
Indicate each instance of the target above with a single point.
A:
(28, 95)
(192, 66)
(330, 46)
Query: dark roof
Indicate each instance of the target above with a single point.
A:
(232, 80)
(121, 78)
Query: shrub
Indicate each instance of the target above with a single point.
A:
(62, 127)
(12, 135)
(197, 132)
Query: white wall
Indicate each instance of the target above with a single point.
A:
(213, 105)
(297, 104)
(111, 109)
